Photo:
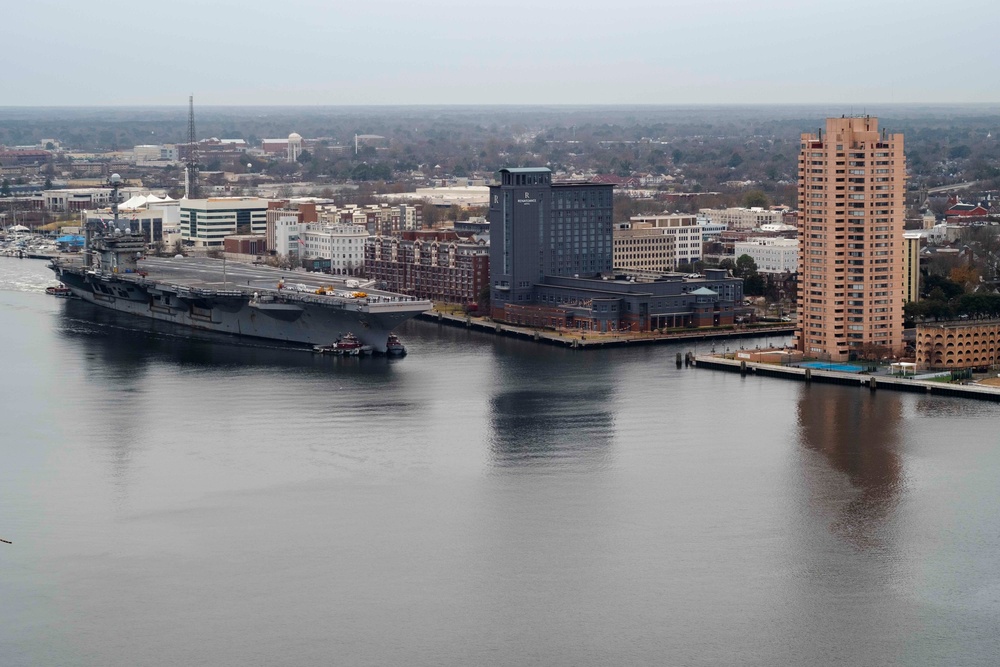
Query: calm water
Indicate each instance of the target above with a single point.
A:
(197, 501)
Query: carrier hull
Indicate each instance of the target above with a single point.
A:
(257, 309)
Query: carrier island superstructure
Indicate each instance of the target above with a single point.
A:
(238, 299)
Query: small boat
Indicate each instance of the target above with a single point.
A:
(60, 291)
(394, 347)
(347, 345)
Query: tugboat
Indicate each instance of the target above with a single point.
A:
(394, 347)
(60, 291)
(347, 345)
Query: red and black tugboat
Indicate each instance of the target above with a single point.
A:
(347, 345)
(60, 291)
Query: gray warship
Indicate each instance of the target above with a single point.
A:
(239, 299)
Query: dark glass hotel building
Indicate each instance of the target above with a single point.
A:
(551, 264)
(539, 228)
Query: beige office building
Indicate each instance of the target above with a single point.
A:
(685, 229)
(851, 208)
(643, 247)
(743, 219)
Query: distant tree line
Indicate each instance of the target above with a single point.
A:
(703, 149)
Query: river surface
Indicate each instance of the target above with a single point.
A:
(176, 498)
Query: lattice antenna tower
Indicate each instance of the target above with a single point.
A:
(191, 191)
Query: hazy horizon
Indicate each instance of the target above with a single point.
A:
(569, 105)
(393, 53)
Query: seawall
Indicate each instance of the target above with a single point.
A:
(585, 340)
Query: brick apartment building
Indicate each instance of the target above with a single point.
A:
(378, 219)
(434, 265)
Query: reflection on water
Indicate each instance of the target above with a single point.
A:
(150, 383)
(543, 411)
(536, 424)
(858, 435)
(939, 407)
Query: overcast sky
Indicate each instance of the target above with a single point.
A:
(250, 52)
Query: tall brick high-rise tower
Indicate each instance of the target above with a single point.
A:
(851, 256)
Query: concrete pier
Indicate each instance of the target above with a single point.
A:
(870, 382)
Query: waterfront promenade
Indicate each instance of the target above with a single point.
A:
(579, 339)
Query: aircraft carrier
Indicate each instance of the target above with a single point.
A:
(240, 299)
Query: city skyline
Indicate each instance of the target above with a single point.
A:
(387, 53)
